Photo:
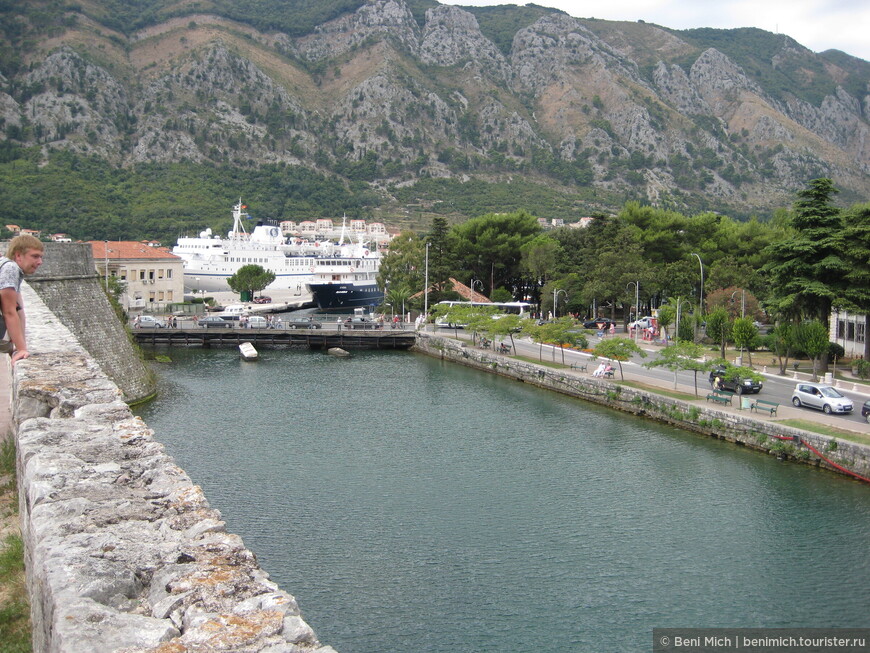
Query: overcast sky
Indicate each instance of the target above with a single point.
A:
(816, 24)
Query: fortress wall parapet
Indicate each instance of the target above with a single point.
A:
(123, 552)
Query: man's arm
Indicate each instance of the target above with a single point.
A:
(9, 302)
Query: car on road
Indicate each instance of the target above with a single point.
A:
(214, 321)
(865, 410)
(822, 397)
(302, 323)
(736, 384)
(598, 323)
(150, 322)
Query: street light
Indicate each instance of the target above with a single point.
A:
(742, 301)
(680, 302)
(556, 297)
(636, 285)
(392, 314)
(474, 281)
(701, 305)
(426, 288)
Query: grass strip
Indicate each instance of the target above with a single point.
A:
(824, 429)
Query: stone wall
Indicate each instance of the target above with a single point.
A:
(123, 552)
(70, 287)
(742, 428)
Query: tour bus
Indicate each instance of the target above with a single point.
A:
(504, 308)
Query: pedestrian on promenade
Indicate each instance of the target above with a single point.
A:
(23, 257)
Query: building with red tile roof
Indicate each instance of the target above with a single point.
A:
(153, 277)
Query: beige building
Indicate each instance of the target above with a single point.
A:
(153, 277)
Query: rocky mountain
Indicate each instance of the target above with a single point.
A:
(389, 92)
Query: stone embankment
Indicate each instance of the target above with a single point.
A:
(123, 552)
(763, 435)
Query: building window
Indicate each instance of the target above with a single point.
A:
(860, 332)
(168, 274)
(141, 275)
(169, 296)
(160, 273)
(850, 331)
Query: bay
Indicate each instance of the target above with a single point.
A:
(415, 505)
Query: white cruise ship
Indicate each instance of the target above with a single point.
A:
(210, 260)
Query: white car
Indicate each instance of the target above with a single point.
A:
(821, 397)
(642, 323)
(150, 322)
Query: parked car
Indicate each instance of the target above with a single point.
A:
(734, 384)
(150, 322)
(262, 299)
(257, 322)
(302, 323)
(214, 321)
(821, 397)
(598, 323)
(642, 323)
(865, 410)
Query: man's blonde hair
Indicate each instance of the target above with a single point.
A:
(20, 245)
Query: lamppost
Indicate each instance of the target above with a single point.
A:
(426, 288)
(474, 281)
(701, 305)
(677, 325)
(636, 285)
(392, 314)
(556, 297)
(742, 301)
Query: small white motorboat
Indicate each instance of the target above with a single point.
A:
(248, 352)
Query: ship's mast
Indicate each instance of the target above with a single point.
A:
(239, 232)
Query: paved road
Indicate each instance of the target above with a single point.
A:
(776, 388)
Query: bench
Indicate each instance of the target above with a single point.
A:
(721, 397)
(608, 374)
(578, 366)
(761, 404)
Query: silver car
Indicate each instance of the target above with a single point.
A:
(822, 397)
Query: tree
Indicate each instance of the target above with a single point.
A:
(666, 316)
(745, 335)
(250, 278)
(490, 246)
(404, 265)
(618, 349)
(559, 332)
(856, 239)
(807, 269)
(682, 355)
(781, 342)
(812, 338)
(719, 328)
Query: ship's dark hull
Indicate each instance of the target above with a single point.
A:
(342, 296)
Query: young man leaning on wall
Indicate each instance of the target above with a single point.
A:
(23, 257)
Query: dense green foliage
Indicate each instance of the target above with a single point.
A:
(91, 200)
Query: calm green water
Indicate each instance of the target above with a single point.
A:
(413, 505)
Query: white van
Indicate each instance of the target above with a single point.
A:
(257, 322)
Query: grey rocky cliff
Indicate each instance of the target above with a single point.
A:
(407, 99)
